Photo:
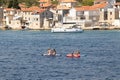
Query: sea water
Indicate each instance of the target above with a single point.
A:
(21, 55)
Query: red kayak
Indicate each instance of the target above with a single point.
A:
(71, 55)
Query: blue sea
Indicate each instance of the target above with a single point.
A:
(21, 55)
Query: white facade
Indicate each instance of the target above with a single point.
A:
(111, 15)
(116, 23)
(34, 22)
(15, 24)
(72, 13)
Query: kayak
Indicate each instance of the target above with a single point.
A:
(70, 55)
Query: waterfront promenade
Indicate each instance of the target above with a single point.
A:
(84, 28)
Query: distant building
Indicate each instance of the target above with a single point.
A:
(37, 18)
(11, 19)
(41, 20)
(45, 16)
(116, 8)
(33, 18)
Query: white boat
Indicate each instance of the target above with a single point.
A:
(74, 28)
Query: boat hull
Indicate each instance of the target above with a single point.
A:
(61, 30)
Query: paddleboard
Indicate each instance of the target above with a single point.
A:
(51, 55)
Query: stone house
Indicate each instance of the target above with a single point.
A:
(62, 10)
(98, 13)
(33, 18)
(11, 19)
(37, 18)
(85, 15)
(41, 20)
(110, 14)
(27, 15)
(114, 13)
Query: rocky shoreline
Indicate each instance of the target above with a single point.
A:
(84, 28)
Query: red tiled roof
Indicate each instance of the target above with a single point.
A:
(102, 5)
(9, 9)
(31, 9)
(82, 8)
(94, 7)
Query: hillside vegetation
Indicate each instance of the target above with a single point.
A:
(29, 3)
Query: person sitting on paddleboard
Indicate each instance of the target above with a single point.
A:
(76, 54)
(51, 52)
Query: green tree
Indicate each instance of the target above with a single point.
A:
(54, 1)
(13, 4)
(21, 1)
(87, 2)
(117, 0)
(3, 3)
(79, 0)
(30, 3)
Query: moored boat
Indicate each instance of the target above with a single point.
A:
(74, 28)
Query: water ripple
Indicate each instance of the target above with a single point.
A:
(21, 55)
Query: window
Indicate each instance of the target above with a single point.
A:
(36, 19)
(110, 13)
(4, 17)
(105, 15)
(9, 22)
(82, 17)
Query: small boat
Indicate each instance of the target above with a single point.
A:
(74, 29)
(73, 55)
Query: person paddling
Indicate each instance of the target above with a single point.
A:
(53, 52)
(75, 54)
(49, 51)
